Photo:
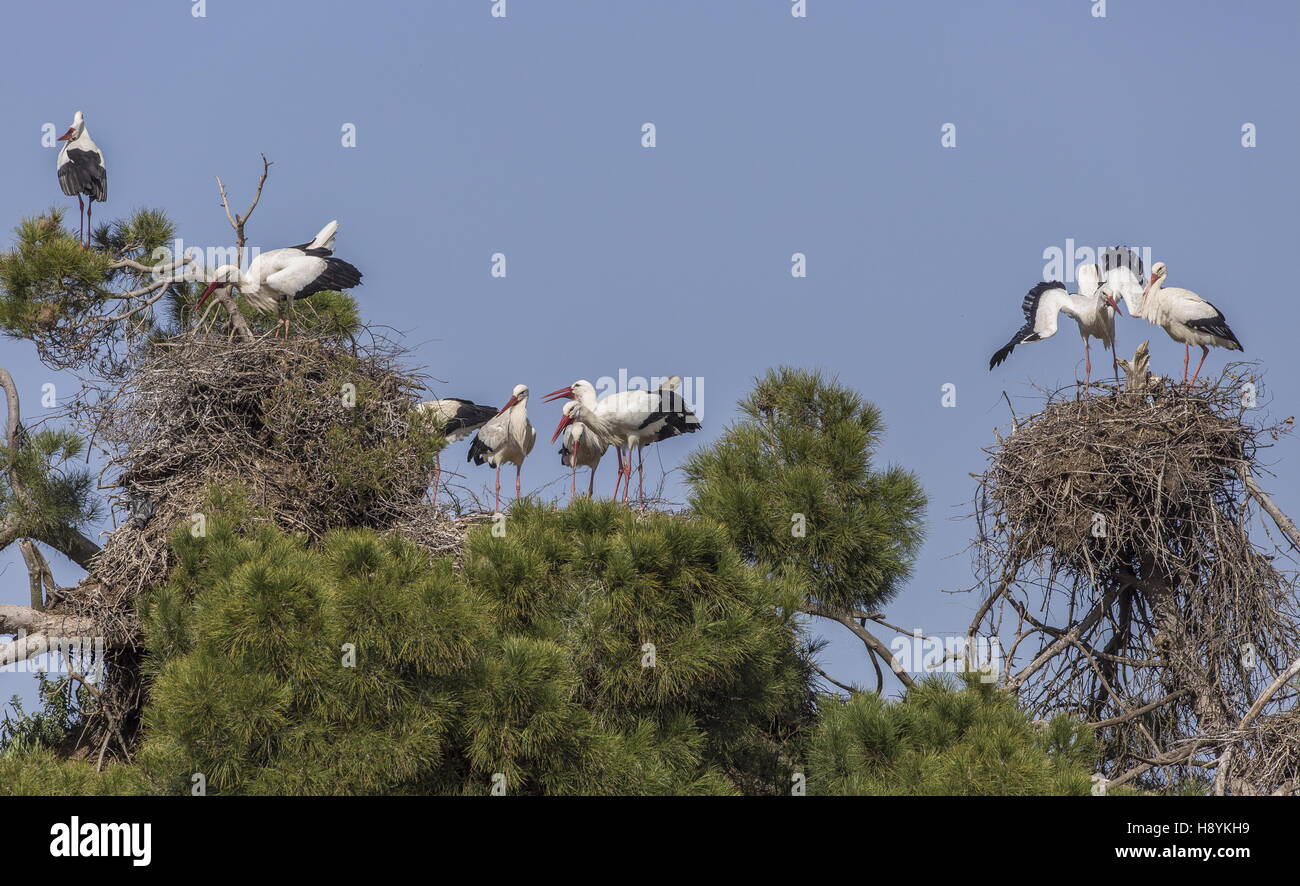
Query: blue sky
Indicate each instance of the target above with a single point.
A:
(775, 135)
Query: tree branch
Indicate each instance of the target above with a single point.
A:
(1123, 718)
(237, 223)
(870, 640)
(39, 576)
(1268, 693)
(33, 629)
(1063, 641)
(1280, 519)
(72, 544)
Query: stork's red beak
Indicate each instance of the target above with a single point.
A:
(511, 402)
(206, 293)
(1110, 300)
(566, 391)
(559, 429)
(67, 136)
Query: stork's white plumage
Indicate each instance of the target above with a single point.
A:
(281, 276)
(583, 446)
(507, 437)
(1092, 309)
(633, 419)
(455, 419)
(1186, 316)
(82, 172)
(1123, 269)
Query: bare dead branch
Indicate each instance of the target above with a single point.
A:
(1280, 519)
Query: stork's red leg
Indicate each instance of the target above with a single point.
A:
(618, 450)
(497, 508)
(518, 470)
(591, 484)
(81, 220)
(1205, 352)
(90, 211)
(640, 474)
(1087, 360)
(1187, 355)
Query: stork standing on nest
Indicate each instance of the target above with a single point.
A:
(633, 420)
(275, 279)
(1183, 314)
(1092, 309)
(82, 172)
(584, 445)
(507, 437)
(455, 419)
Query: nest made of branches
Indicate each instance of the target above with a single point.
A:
(315, 432)
(318, 433)
(1089, 478)
(1129, 503)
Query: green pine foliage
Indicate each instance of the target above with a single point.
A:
(41, 772)
(47, 275)
(597, 586)
(331, 315)
(56, 492)
(944, 740)
(804, 449)
(529, 665)
(52, 288)
(31, 745)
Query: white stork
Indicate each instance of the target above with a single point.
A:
(1183, 314)
(507, 437)
(81, 172)
(277, 278)
(633, 420)
(455, 419)
(583, 446)
(1093, 310)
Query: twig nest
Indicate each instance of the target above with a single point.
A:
(318, 433)
(1092, 479)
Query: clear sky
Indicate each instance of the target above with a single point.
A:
(822, 135)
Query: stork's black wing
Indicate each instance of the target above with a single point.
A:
(1122, 257)
(1216, 325)
(1025, 333)
(84, 173)
(469, 415)
(337, 276)
(674, 415)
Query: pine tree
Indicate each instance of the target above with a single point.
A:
(794, 485)
(945, 740)
(584, 651)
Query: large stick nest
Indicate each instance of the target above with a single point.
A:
(318, 434)
(1126, 509)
